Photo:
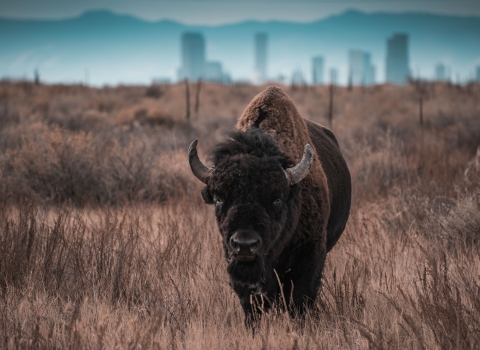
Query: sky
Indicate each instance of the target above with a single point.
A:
(215, 12)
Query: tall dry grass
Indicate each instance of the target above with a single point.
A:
(105, 243)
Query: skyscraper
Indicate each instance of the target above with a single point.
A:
(193, 56)
(214, 72)
(260, 58)
(369, 70)
(440, 72)
(356, 64)
(317, 71)
(362, 72)
(333, 76)
(398, 69)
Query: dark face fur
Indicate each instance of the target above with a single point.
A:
(254, 205)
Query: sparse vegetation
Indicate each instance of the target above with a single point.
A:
(105, 242)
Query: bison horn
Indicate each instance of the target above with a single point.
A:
(198, 168)
(298, 172)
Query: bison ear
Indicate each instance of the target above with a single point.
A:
(294, 191)
(207, 196)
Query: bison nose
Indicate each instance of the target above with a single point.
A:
(245, 243)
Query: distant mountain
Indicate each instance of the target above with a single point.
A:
(111, 49)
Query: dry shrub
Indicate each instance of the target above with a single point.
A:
(461, 222)
(440, 310)
(154, 91)
(145, 116)
(59, 166)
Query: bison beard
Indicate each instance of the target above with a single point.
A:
(279, 215)
(247, 274)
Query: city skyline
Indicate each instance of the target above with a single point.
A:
(112, 49)
(361, 70)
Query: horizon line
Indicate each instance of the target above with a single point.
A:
(139, 18)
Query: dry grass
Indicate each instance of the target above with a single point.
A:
(105, 243)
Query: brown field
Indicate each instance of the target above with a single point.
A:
(106, 243)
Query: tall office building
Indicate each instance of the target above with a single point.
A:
(260, 58)
(317, 71)
(214, 72)
(369, 70)
(356, 67)
(333, 76)
(193, 56)
(440, 72)
(398, 69)
(361, 72)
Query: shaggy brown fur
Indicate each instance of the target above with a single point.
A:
(274, 112)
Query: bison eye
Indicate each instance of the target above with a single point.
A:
(217, 201)
(277, 201)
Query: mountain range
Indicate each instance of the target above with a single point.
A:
(108, 48)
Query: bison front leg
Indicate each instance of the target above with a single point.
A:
(302, 283)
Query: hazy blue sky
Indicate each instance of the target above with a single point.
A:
(226, 11)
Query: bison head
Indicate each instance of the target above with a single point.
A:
(254, 188)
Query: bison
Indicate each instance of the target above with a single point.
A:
(280, 204)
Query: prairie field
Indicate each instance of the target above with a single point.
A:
(105, 241)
